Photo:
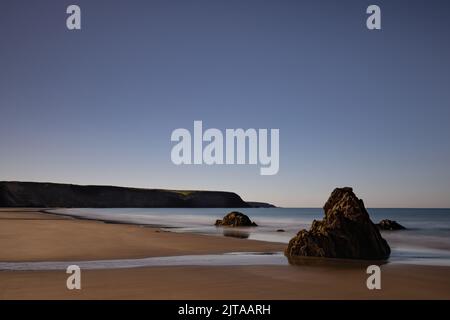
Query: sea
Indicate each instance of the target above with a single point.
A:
(426, 241)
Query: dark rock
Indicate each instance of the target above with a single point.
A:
(280, 230)
(387, 224)
(235, 219)
(345, 232)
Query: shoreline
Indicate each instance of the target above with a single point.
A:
(404, 252)
(30, 235)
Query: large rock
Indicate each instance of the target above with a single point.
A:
(345, 232)
(391, 225)
(235, 219)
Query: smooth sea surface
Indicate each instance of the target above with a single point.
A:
(426, 240)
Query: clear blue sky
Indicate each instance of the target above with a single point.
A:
(368, 109)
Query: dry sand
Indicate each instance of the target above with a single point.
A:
(27, 235)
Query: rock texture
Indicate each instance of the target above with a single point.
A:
(35, 194)
(345, 232)
(235, 219)
(387, 224)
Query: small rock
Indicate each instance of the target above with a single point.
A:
(280, 230)
(235, 219)
(387, 224)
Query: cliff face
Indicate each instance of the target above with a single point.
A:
(255, 204)
(36, 194)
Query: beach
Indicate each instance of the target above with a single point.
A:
(29, 235)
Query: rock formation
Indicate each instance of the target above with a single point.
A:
(235, 219)
(345, 232)
(387, 224)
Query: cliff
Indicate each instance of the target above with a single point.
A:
(37, 194)
(255, 204)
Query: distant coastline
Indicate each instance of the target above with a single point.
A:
(44, 194)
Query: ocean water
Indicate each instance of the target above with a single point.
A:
(426, 240)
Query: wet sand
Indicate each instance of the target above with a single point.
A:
(33, 236)
(239, 282)
(27, 235)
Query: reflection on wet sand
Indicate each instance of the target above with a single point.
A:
(334, 263)
(241, 234)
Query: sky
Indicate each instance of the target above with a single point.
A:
(355, 107)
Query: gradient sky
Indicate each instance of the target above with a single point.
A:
(368, 109)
